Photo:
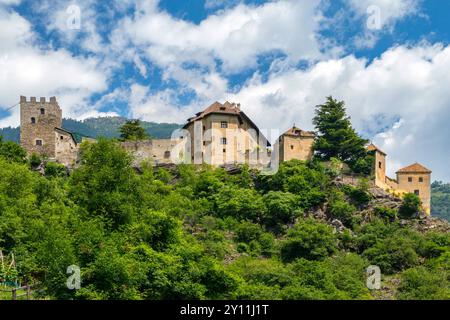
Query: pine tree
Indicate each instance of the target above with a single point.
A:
(336, 137)
(132, 130)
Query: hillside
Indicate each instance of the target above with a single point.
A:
(440, 200)
(100, 127)
(197, 232)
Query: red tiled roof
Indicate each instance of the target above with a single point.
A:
(294, 131)
(414, 168)
(372, 147)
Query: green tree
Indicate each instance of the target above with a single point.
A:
(411, 205)
(132, 130)
(309, 239)
(336, 137)
(12, 152)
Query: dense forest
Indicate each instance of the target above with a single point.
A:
(108, 127)
(440, 200)
(198, 232)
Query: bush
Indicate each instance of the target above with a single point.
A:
(411, 206)
(386, 213)
(35, 160)
(423, 284)
(309, 239)
(282, 208)
(343, 211)
(395, 253)
(53, 169)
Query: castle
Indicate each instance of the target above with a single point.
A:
(219, 135)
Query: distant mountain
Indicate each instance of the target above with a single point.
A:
(440, 200)
(100, 127)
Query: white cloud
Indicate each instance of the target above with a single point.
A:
(235, 36)
(409, 84)
(390, 10)
(27, 70)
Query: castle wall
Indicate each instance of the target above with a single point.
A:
(241, 146)
(38, 120)
(66, 149)
(293, 147)
(158, 151)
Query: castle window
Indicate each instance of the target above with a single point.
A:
(420, 179)
(224, 124)
(417, 192)
(409, 179)
(62, 138)
(379, 165)
(167, 154)
(42, 111)
(39, 142)
(224, 150)
(33, 120)
(223, 141)
(292, 147)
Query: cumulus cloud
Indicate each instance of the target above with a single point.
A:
(401, 100)
(28, 70)
(235, 36)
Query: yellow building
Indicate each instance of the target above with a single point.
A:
(416, 179)
(224, 134)
(295, 144)
(411, 179)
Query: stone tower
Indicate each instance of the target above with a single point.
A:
(296, 144)
(38, 120)
(379, 169)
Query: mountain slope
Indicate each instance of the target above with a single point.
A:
(440, 200)
(103, 126)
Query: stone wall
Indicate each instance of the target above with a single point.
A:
(66, 149)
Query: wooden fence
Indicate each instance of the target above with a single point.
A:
(23, 291)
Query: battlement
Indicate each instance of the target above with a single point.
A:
(41, 100)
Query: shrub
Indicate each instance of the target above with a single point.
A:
(386, 213)
(411, 205)
(53, 169)
(308, 239)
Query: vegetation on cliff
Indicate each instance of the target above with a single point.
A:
(199, 232)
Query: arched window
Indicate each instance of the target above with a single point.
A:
(42, 111)
(33, 120)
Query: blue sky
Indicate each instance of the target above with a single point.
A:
(165, 60)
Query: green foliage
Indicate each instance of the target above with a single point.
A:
(197, 232)
(396, 252)
(282, 209)
(411, 205)
(440, 200)
(308, 239)
(132, 130)
(386, 213)
(53, 169)
(421, 283)
(12, 152)
(35, 160)
(336, 137)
